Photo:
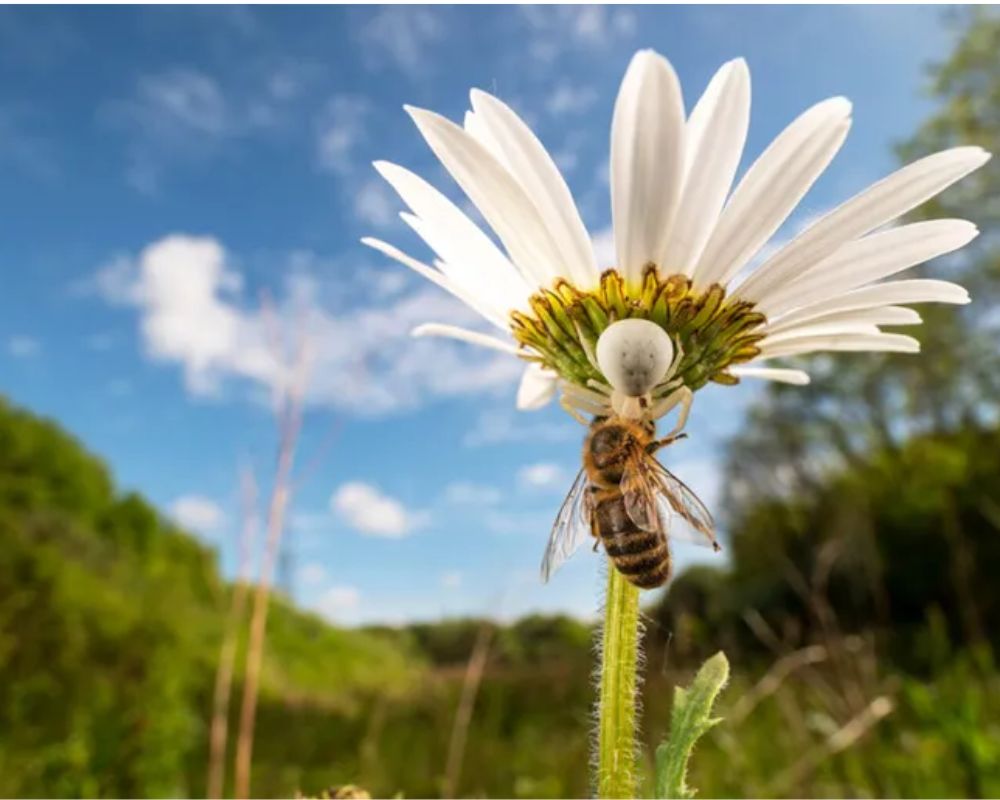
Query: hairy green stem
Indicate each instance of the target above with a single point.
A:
(616, 733)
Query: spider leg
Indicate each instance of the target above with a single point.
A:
(666, 387)
(675, 364)
(570, 409)
(589, 395)
(682, 397)
(597, 386)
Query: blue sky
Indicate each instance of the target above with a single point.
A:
(163, 166)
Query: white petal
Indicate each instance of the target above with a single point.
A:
(503, 292)
(529, 162)
(881, 315)
(819, 329)
(795, 377)
(419, 267)
(880, 203)
(880, 294)
(875, 342)
(434, 276)
(474, 125)
(872, 258)
(771, 189)
(647, 161)
(463, 335)
(715, 134)
(538, 387)
(457, 239)
(497, 195)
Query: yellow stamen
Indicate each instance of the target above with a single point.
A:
(714, 332)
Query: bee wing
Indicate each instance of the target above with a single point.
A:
(639, 489)
(656, 499)
(683, 515)
(571, 528)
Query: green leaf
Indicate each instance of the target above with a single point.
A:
(690, 718)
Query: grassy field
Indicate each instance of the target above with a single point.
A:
(110, 621)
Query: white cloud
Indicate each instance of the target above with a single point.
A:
(179, 113)
(370, 512)
(375, 204)
(311, 522)
(337, 603)
(543, 475)
(451, 580)
(569, 99)
(21, 346)
(556, 29)
(604, 247)
(535, 524)
(364, 360)
(595, 24)
(341, 130)
(503, 426)
(197, 513)
(602, 172)
(566, 159)
(313, 574)
(185, 98)
(24, 149)
(402, 35)
(466, 493)
(184, 114)
(386, 283)
(181, 284)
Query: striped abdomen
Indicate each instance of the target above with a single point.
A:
(641, 556)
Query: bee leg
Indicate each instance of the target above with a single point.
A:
(659, 444)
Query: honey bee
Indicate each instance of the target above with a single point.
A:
(623, 497)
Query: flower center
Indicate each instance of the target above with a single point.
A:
(713, 332)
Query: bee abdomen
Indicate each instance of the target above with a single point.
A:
(641, 556)
(628, 544)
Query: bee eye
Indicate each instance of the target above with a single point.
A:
(634, 355)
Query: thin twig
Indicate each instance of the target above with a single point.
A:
(227, 653)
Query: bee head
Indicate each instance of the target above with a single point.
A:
(634, 355)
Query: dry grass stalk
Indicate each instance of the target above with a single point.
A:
(289, 415)
(841, 739)
(775, 677)
(841, 672)
(227, 654)
(463, 715)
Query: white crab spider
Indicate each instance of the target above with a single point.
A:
(639, 364)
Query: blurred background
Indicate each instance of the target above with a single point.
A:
(207, 380)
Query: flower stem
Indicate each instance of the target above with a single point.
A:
(616, 745)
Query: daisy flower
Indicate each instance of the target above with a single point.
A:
(691, 251)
